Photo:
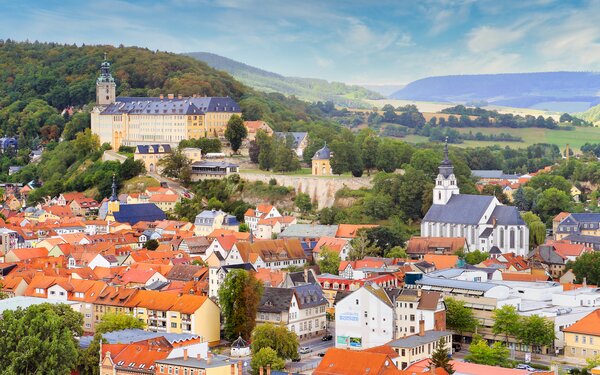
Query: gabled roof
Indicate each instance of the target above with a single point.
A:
(132, 213)
(275, 300)
(351, 230)
(588, 325)
(441, 261)
(352, 362)
(506, 215)
(460, 209)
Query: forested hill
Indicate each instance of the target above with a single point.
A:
(39, 80)
(310, 89)
(557, 91)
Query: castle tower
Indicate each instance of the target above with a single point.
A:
(113, 202)
(321, 162)
(445, 182)
(105, 85)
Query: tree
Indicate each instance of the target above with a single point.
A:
(506, 321)
(85, 143)
(151, 244)
(117, 321)
(587, 267)
(253, 151)
(239, 296)
(266, 154)
(476, 257)
(362, 247)
(303, 202)
(459, 318)
(265, 357)
(78, 123)
(235, 132)
(536, 331)
(369, 152)
(329, 261)
(384, 238)
(276, 337)
(88, 358)
(480, 352)
(244, 228)
(286, 159)
(131, 168)
(39, 339)
(440, 359)
(176, 165)
(537, 229)
(397, 252)
(551, 202)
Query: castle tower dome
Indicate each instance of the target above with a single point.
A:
(105, 85)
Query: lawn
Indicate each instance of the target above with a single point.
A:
(575, 138)
(139, 184)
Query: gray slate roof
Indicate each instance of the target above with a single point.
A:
(145, 149)
(275, 300)
(322, 154)
(460, 209)
(416, 340)
(309, 231)
(455, 284)
(298, 136)
(157, 106)
(506, 215)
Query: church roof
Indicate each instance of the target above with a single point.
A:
(132, 213)
(506, 215)
(460, 209)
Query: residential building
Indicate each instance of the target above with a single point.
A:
(151, 154)
(351, 362)
(273, 254)
(582, 339)
(262, 211)
(212, 365)
(585, 224)
(340, 246)
(421, 346)
(132, 121)
(299, 140)
(300, 308)
(254, 126)
(271, 228)
(364, 319)
(417, 247)
(411, 306)
(213, 169)
(209, 220)
(481, 220)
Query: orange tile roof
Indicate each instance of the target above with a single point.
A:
(159, 198)
(240, 236)
(476, 369)
(351, 362)
(441, 261)
(331, 243)
(269, 277)
(30, 252)
(351, 230)
(588, 325)
(561, 216)
(517, 276)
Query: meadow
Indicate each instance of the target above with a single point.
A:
(575, 138)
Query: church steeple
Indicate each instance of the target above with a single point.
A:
(445, 183)
(114, 196)
(105, 85)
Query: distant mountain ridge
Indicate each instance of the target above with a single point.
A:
(310, 89)
(554, 91)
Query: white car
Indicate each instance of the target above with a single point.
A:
(523, 366)
(305, 350)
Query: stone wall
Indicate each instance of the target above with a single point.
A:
(320, 189)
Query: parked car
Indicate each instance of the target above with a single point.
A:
(327, 338)
(305, 350)
(456, 346)
(523, 366)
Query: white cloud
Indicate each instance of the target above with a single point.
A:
(323, 62)
(486, 38)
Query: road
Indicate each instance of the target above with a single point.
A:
(171, 183)
(311, 360)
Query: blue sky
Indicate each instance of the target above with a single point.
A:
(378, 41)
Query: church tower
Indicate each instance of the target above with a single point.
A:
(113, 202)
(445, 182)
(105, 85)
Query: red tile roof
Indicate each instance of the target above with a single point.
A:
(588, 325)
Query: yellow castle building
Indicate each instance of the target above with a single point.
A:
(132, 121)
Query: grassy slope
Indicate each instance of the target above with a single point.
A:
(575, 138)
(304, 88)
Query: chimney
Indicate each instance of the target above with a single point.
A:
(269, 369)
(199, 356)
(261, 371)
(161, 96)
(232, 366)
(179, 96)
(306, 274)
(171, 96)
(185, 355)
(239, 367)
(419, 292)
(421, 327)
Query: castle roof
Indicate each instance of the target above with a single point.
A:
(322, 154)
(183, 106)
(460, 209)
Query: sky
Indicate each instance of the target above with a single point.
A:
(364, 42)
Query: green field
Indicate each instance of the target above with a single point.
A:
(575, 138)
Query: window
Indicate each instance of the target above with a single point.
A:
(173, 325)
(576, 338)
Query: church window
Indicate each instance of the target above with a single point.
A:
(501, 237)
(440, 196)
(521, 238)
(512, 238)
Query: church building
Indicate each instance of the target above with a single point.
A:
(133, 121)
(482, 220)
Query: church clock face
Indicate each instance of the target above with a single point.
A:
(107, 97)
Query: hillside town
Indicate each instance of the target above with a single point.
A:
(195, 296)
(184, 213)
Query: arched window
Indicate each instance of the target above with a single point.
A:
(521, 238)
(512, 238)
(440, 195)
(501, 237)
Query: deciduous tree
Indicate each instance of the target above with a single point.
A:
(459, 318)
(537, 331)
(587, 267)
(276, 337)
(266, 357)
(329, 261)
(239, 296)
(117, 321)
(506, 321)
(235, 132)
(480, 352)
